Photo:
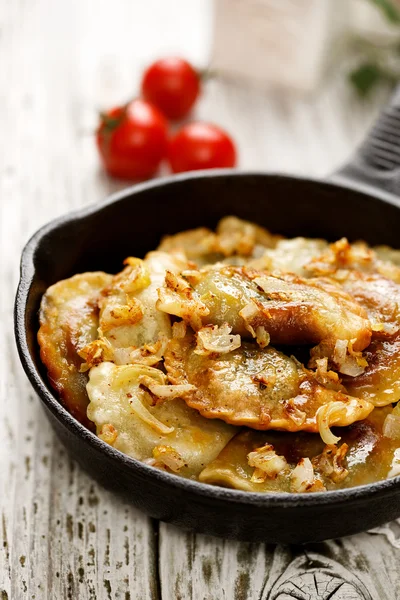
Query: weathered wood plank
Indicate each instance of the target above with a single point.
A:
(194, 566)
(364, 566)
(61, 535)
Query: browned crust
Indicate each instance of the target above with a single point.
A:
(296, 314)
(245, 407)
(68, 318)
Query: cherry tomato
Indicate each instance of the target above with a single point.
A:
(201, 146)
(132, 140)
(172, 85)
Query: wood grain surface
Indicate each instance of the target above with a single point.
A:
(61, 535)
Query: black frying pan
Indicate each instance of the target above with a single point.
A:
(358, 202)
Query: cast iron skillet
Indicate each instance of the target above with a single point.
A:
(358, 202)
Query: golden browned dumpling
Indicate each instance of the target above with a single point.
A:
(233, 238)
(236, 236)
(379, 296)
(68, 322)
(260, 388)
(290, 256)
(137, 413)
(290, 310)
(195, 244)
(286, 462)
(131, 329)
(128, 316)
(371, 278)
(379, 382)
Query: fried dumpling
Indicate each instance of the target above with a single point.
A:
(290, 309)
(127, 310)
(234, 237)
(159, 429)
(290, 255)
(233, 469)
(195, 244)
(363, 456)
(379, 296)
(68, 322)
(237, 236)
(380, 381)
(388, 255)
(260, 388)
(131, 329)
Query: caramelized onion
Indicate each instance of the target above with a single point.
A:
(391, 427)
(145, 415)
(340, 412)
(178, 298)
(347, 360)
(169, 457)
(266, 460)
(303, 479)
(166, 392)
(395, 466)
(212, 339)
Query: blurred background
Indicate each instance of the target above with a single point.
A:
(296, 82)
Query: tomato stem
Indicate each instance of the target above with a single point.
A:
(111, 122)
(207, 73)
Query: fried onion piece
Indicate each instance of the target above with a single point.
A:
(177, 297)
(166, 432)
(303, 478)
(359, 257)
(232, 468)
(330, 463)
(68, 322)
(263, 389)
(341, 411)
(292, 310)
(266, 463)
(213, 339)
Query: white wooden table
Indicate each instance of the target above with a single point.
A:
(61, 535)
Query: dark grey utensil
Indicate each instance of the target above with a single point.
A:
(360, 201)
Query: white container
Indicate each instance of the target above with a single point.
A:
(276, 43)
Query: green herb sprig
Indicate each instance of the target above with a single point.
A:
(377, 63)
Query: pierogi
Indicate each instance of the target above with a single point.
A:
(237, 358)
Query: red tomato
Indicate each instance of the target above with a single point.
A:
(132, 140)
(201, 146)
(172, 85)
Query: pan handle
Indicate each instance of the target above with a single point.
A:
(376, 162)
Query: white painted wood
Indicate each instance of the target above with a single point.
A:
(61, 535)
